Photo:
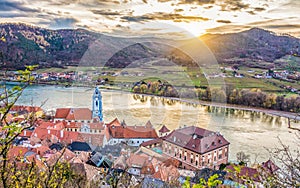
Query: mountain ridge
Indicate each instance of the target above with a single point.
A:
(25, 45)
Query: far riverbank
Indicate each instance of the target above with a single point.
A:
(288, 115)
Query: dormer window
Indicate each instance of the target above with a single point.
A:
(213, 143)
(220, 141)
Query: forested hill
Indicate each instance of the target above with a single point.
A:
(24, 45)
(255, 44)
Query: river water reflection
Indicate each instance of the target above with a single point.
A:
(246, 131)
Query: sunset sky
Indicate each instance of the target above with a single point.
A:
(166, 18)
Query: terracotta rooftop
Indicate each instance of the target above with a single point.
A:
(73, 114)
(164, 129)
(196, 139)
(270, 166)
(93, 139)
(131, 132)
(114, 122)
(27, 109)
(245, 171)
(16, 151)
(151, 142)
(62, 113)
(137, 161)
(26, 133)
(59, 135)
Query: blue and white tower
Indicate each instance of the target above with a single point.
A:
(97, 104)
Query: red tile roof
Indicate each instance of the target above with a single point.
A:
(62, 113)
(73, 114)
(73, 125)
(151, 142)
(93, 139)
(62, 136)
(114, 122)
(196, 139)
(270, 166)
(26, 133)
(41, 150)
(16, 151)
(131, 132)
(27, 109)
(245, 171)
(137, 161)
(164, 129)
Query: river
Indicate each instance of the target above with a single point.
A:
(246, 131)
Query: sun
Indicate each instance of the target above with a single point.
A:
(193, 29)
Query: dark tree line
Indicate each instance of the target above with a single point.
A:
(228, 94)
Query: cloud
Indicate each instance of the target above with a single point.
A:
(13, 6)
(199, 2)
(163, 16)
(106, 12)
(284, 26)
(233, 5)
(228, 28)
(223, 21)
(4, 14)
(60, 23)
(178, 10)
(259, 9)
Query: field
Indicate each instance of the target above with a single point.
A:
(179, 76)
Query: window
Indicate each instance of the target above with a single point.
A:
(196, 163)
(220, 156)
(180, 155)
(138, 142)
(192, 161)
(185, 158)
(215, 158)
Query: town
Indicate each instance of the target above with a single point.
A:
(81, 136)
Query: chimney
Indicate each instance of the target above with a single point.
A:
(61, 133)
(194, 136)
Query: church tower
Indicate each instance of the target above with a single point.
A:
(97, 104)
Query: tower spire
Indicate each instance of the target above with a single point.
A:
(97, 104)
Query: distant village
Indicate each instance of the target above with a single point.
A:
(82, 137)
(102, 78)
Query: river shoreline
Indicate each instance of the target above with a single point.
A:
(289, 115)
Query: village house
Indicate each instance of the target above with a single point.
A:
(117, 133)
